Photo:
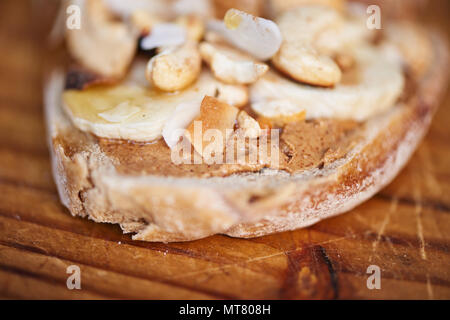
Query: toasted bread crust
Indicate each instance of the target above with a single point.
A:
(158, 208)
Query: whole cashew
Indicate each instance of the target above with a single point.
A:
(298, 57)
(103, 45)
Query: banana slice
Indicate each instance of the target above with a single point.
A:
(379, 83)
(133, 111)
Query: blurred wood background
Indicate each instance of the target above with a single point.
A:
(405, 229)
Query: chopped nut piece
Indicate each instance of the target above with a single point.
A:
(215, 115)
(280, 121)
(235, 95)
(249, 125)
(230, 65)
(264, 123)
(175, 69)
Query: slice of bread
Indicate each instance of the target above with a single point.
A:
(164, 208)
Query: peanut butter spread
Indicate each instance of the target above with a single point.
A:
(303, 145)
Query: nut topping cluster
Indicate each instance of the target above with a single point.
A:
(283, 69)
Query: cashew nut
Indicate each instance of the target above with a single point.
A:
(298, 57)
(103, 45)
(279, 121)
(230, 65)
(314, 37)
(176, 68)
(304, 64)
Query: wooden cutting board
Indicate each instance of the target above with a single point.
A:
(404, 230)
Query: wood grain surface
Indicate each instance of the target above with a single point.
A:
(405, 229)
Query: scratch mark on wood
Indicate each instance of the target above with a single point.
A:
(418, 212)
(382, 228)
(222, 268)
(335, 240)
(391, 245)
(429, 288)
(431, 181)
(362, 218)
(423, 253)
(289, 288)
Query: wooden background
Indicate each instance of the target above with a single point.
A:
(405, 229)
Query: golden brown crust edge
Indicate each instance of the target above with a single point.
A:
(178, 209)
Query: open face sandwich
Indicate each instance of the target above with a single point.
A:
(333, 108)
